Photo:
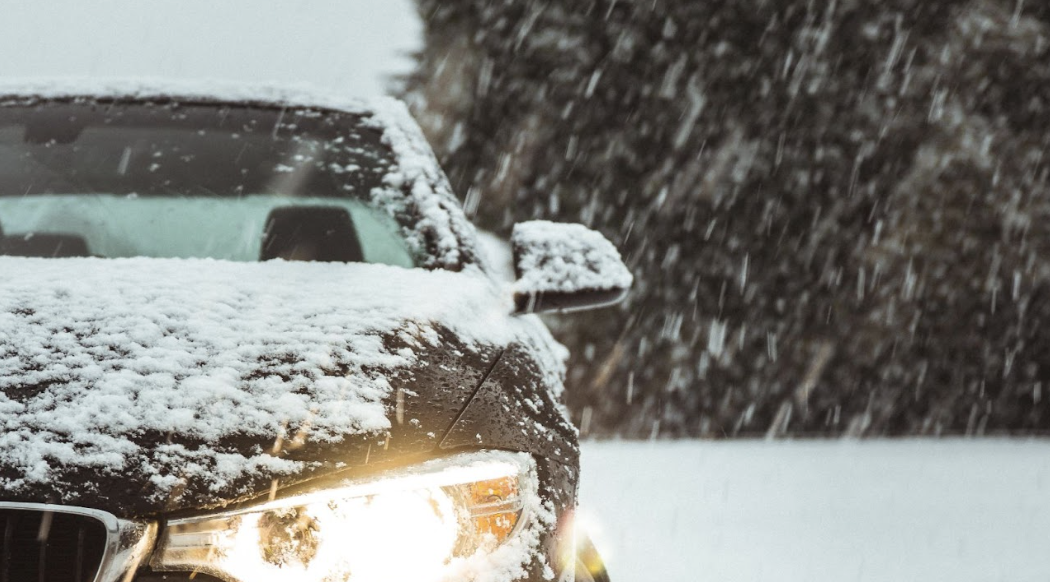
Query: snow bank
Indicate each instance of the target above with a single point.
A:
(97, 352)
(561, 257)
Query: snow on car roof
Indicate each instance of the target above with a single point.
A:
(306, 96)
(96, 353)
(416, 192)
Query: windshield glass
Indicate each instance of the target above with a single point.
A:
(114, 180)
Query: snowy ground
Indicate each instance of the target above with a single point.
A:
(810, 511)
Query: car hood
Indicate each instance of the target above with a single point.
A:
(149, 385)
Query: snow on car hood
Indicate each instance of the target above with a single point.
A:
(96, 353)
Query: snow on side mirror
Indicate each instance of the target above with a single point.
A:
(565, 267)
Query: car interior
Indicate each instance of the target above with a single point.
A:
(311, 233)
(292, 233)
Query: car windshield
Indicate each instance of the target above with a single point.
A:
(136, 179)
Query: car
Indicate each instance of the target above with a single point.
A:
(247, 334)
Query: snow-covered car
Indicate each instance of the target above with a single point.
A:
(248, 335)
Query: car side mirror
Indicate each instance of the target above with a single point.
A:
(565, 267)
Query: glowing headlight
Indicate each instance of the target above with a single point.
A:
(403, 526)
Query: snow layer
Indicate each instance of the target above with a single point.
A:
(289, 95)
(95, 353)
(561, 257)
(891, 511)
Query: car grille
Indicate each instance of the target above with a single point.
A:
(45, 546)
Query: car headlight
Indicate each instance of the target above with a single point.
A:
(407, 525)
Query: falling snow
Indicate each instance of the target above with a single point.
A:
(780, 177)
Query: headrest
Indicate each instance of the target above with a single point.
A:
(43, 245)
(311, 233)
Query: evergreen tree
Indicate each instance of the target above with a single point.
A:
(836, 212)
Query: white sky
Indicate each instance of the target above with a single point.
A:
(345, 45)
